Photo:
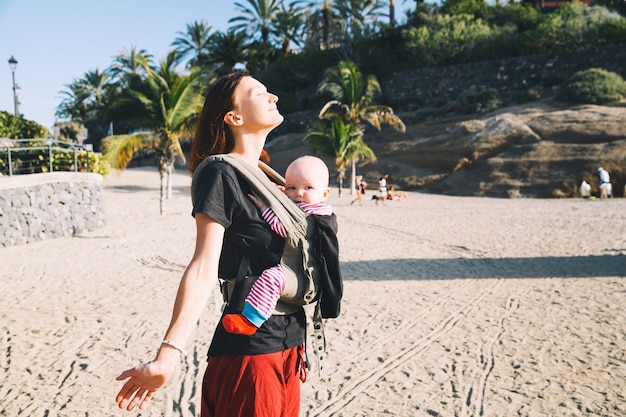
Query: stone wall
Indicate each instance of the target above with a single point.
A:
(44, 206)
(513, 77)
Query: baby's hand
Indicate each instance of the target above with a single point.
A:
(258, 201)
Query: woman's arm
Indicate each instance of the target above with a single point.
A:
(194, 289)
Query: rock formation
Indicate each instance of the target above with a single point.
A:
(541, 150)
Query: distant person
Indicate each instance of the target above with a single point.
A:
(306, 184)
(394, 195)
(585, 189)
(606, 190)
(382, 189)
(604, 176)
(359, 185)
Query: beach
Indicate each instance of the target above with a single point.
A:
(453, 306)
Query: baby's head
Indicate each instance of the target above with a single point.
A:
(306, 180)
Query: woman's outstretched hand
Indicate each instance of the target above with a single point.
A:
(144, 380)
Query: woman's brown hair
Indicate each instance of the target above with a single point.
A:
(212, 135)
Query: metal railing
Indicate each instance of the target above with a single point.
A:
(31, 156)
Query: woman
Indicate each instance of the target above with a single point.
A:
(359, 185)
(256, 375)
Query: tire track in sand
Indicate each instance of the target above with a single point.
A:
(348, 392)
(406, 325)
(473, 405)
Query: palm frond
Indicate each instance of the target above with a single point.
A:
(334, 108)
(119, 150)
(186, 102)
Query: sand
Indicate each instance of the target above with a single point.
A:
(454, 306)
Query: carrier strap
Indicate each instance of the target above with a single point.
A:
(243, 268)
(287, 211)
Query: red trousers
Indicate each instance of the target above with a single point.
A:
(266, 385)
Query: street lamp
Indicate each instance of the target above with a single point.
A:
(13, 66)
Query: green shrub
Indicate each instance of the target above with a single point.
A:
(64, 161)
(36, 160)
(478, 100)
(593, 86)
(19, 128)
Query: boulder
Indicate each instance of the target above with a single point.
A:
(583, 124)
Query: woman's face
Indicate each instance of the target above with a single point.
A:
(255, 106)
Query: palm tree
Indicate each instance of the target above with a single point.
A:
(195, 42)
(288, 25)
(326, 18)
(323, 25)
(352, 97)
(169, 105)
(127, 68)
(96, 84)
(73, 111)
(359, 14)
(342, 141)
(74, 103)
(228, 49)
(128, 65)
(257, 17)
(87, 102)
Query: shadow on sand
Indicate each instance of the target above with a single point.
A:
(538, 267)
(179, 190)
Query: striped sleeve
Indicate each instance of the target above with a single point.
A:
(321, 208)
(275, 224)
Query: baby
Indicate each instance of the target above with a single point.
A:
(306, 184)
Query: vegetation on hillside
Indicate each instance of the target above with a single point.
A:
(289, 45)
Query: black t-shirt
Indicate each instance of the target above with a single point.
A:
(223, 195)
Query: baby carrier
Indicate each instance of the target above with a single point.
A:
(310, 258)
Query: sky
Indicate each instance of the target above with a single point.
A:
(56, 42)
